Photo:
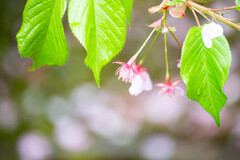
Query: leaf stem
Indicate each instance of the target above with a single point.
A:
(195, 15)
(217, 16)
(144, 44)
(173, 36)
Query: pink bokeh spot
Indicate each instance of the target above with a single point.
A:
(170, 89)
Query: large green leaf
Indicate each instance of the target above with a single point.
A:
(127, 4)
(238, 4)
(41, 36)
(100, 25)
(205, 71)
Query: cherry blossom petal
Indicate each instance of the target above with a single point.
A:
(121, 63)
(141, 82)
(148, 82)
(179, 91)
(156, 24)
(136, 86)
(160, 85)
(154, 9)
(170, 90)
(176, 82)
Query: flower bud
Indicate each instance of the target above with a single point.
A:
(178, 11)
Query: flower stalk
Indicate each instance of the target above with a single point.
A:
(166, 57)
(144, 44)
(166, 54)
(145, 55)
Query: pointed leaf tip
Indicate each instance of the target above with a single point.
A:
(100, 26)
(205, 71)
(41, 36)
(127, 5)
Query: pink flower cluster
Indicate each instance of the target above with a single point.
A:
(141, 81)
(127, 71)
(138, 76)
(170, 89)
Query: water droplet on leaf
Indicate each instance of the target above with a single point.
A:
(204, 85)
(199, 92)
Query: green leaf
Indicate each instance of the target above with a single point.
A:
(205, 71)
(238, 4)
(100, 25)
(174, 2)
(41, 36)
(127, 4)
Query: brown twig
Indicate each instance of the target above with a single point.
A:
(174, 36)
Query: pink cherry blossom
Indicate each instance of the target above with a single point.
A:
(138, 76)
(170, 89)
(141, 82)
(127, 71)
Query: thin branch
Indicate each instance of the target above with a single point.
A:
(174, 36)
(221, 9)
(195, 15)
(200, 12)
(217, 16)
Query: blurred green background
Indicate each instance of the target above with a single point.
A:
(60, 113)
